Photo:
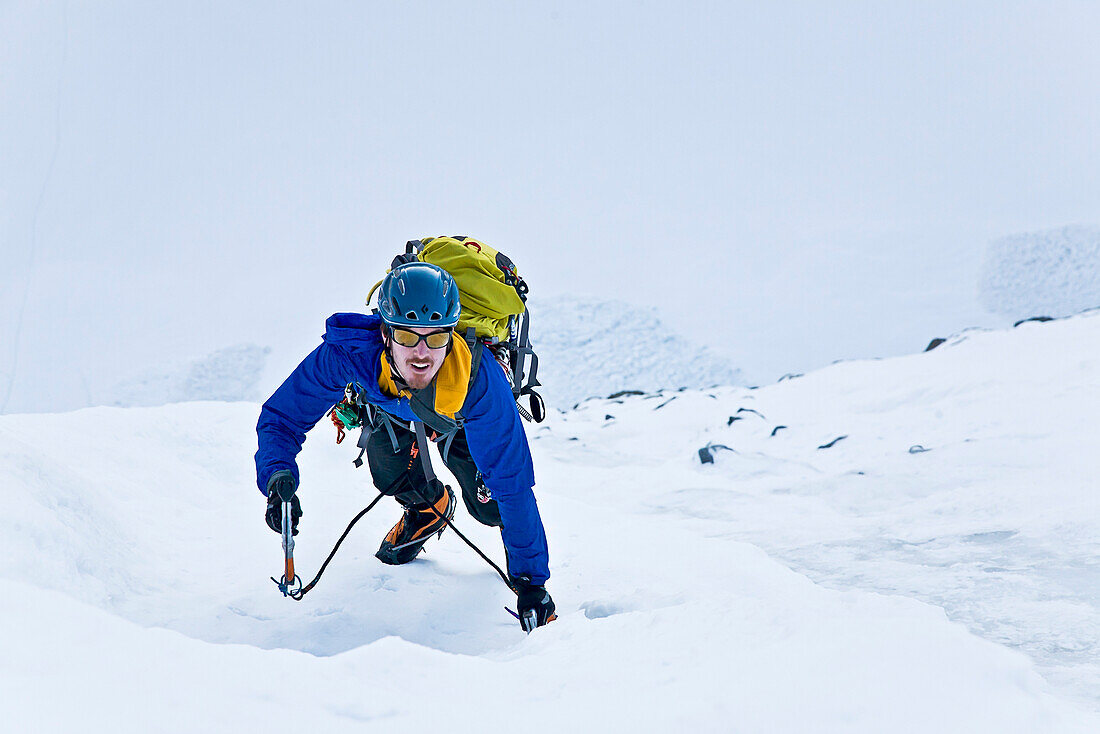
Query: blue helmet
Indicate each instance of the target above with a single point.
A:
(419, 294)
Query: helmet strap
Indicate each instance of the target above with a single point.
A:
(387, 342)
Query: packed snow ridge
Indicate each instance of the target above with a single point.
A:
(904, 545)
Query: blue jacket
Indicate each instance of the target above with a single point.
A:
(351, 352)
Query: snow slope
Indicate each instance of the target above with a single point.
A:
(964, 477)
(784, 588)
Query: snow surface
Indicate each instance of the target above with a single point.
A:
(784, 588)
(1054, 272)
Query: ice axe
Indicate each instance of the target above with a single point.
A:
(529, 621)
(289, 584)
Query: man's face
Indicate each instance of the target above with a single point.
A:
(417, 364)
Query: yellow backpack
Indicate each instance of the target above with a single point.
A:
(494, 314)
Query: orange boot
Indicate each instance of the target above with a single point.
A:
(416, 526)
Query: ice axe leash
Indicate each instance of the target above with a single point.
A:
(297, 593)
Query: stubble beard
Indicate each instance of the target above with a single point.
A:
(417, 380)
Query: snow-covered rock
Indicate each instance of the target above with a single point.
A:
(593, 348)
(228, 374)
(1054, 272)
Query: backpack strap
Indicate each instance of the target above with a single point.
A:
(523, 350)
(476, 350)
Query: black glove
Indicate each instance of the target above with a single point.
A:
(536, 608)
(280, 488)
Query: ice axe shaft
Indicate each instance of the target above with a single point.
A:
(288, 541)
(289, 577)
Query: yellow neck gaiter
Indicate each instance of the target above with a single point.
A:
(450, 382)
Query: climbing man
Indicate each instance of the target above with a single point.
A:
(416, 380)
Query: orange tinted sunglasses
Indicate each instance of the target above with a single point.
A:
(408, 338)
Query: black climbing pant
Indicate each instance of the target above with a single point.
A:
(399, 474)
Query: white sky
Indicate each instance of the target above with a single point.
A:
(797, 184)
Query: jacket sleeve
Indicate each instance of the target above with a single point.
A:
(499, 448)
(303, 399)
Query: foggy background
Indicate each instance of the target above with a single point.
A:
(196, 186)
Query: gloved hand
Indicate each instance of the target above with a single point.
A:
(281, 488)
(534, 604)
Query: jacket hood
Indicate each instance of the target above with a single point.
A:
(353, 330)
